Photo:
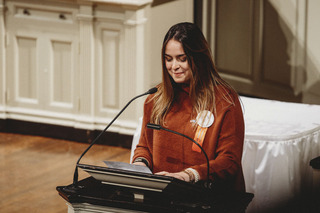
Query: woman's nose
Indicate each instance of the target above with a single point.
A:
(175, 65)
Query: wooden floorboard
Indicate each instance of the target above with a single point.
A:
(31, 167)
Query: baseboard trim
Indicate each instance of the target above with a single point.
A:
(65, 133)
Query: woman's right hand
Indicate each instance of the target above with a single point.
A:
(179, 175)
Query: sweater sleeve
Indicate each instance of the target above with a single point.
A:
(144, 147)
(226, 162)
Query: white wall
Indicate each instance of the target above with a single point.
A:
(300, 19)
(114, 49)
(162, 17)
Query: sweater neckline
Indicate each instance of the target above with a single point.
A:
(185, 88)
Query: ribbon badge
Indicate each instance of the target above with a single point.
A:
(204, 120)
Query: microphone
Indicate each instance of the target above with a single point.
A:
(159, 127)
(75, 176)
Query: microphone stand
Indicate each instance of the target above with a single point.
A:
(76, 174)
(159, 127)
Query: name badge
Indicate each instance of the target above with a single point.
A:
(204, 120)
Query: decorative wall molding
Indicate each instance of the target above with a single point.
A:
(108, 52)
(86, 57)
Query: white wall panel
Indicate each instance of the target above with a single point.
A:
(110, 69)
(236, 39)
(26, 72)
(41, 59)
(62, 76)
(78, 62)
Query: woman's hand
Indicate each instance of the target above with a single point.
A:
(179, 175)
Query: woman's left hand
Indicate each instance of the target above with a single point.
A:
(179, 175)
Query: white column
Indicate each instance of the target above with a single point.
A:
(86, 66)
(134, 77)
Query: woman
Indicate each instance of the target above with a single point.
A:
(193, 100)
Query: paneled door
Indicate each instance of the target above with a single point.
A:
(42, 53)
(255, 45)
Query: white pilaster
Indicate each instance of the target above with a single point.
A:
(134, 74)
(86, 65)
(2, 62)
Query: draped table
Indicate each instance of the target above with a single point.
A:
(280, 140)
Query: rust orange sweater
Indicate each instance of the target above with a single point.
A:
(223, 141)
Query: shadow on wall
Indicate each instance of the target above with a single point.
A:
(286, 57)
(264, 53)
(277, 38)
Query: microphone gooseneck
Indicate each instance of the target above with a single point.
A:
(159, 127)
(75, 176)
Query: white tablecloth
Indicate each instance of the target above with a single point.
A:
(280, 140)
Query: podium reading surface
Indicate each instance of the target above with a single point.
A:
(128, 191)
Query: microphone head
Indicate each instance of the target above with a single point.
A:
(152, 90)
(153, 126)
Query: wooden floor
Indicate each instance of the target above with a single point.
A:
(31, 167)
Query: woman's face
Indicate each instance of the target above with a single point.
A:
(177, 63)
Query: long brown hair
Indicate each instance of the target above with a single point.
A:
(204, 79)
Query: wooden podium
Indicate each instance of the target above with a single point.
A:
(115, 190)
